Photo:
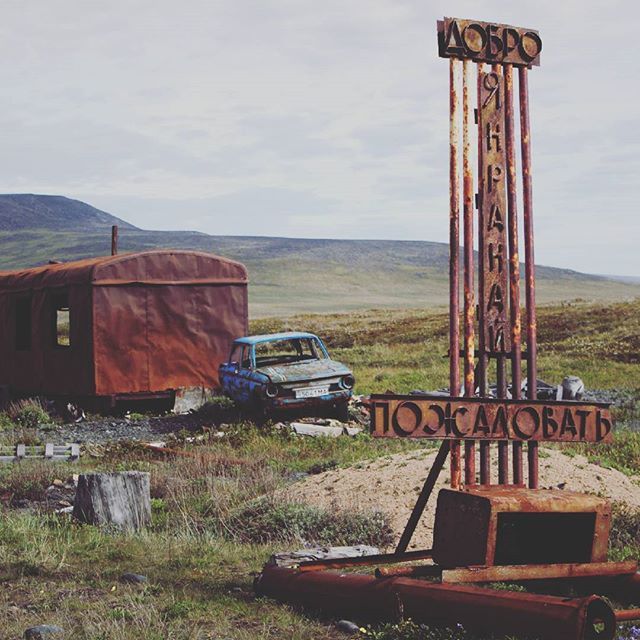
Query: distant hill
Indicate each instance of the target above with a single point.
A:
(57, 213)
(288, 275)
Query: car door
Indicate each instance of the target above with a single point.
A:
(237, 377)
(230, 371)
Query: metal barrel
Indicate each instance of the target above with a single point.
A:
(548, 617)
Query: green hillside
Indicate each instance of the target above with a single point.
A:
(287, 275)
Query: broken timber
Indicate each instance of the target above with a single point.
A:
(48, 451)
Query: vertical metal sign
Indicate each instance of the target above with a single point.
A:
(492, 218)
(501, 46)
(506, 418)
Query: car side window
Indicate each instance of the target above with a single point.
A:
(236, 354)
(246, 357)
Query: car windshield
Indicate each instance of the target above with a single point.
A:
(290, 350)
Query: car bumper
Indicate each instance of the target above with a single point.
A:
(332, 398)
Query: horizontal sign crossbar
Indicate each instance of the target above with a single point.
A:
(421, 416)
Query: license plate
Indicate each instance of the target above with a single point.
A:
(311, 392)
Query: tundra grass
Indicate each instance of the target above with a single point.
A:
(402, 350)
(197, 556)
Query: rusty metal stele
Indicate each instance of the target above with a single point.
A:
(485, 532)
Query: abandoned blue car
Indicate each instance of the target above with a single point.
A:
(285, 371)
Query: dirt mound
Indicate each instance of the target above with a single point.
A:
(391, 484)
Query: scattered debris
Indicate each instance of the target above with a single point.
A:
(49, 451)
(294, 558)
(318, 430)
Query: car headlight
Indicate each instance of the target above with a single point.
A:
(347, 382)
(271, 390)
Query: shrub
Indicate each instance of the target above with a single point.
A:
(218, 409)
(28, 413)
(408, 630)
(265, 521)
(6, 423)
(625, 527)
(29, 480)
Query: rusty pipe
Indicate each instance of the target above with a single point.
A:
(414, 571)
(529, 265)
(114, 239)
(624, 615)
(503, 445)
(485, 447)
(467, 182)
(454, 256)
(549, 617)
(423, 498)
(469, 298)
(469, 462)
(514, 261)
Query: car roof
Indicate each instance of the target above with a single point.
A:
(268, 337)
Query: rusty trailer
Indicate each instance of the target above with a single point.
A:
(122, 327)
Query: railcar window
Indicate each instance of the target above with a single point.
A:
(23, 324)
(61, 320)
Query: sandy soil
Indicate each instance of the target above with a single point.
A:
(391, 484)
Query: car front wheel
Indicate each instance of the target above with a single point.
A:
(342, 411)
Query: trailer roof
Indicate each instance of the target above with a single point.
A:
(146, 267)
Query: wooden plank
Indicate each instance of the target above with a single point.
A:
(518, 573)
(49, 451)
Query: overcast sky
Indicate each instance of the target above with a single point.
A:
(312, 119)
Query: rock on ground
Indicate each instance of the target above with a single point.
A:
(43, 632)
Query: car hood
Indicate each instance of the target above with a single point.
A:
(299, 371)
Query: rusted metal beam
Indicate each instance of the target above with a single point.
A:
(483, 359)
(514, 260)
(520, 573)
(454, 254)
(382, 558)
(481, 609)
(503, 445)
(467, 181)
(530, 275)
(469, 463)
(414, 571)
(423, 498)
(469, 297)
(626, 615)
(485, 462)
